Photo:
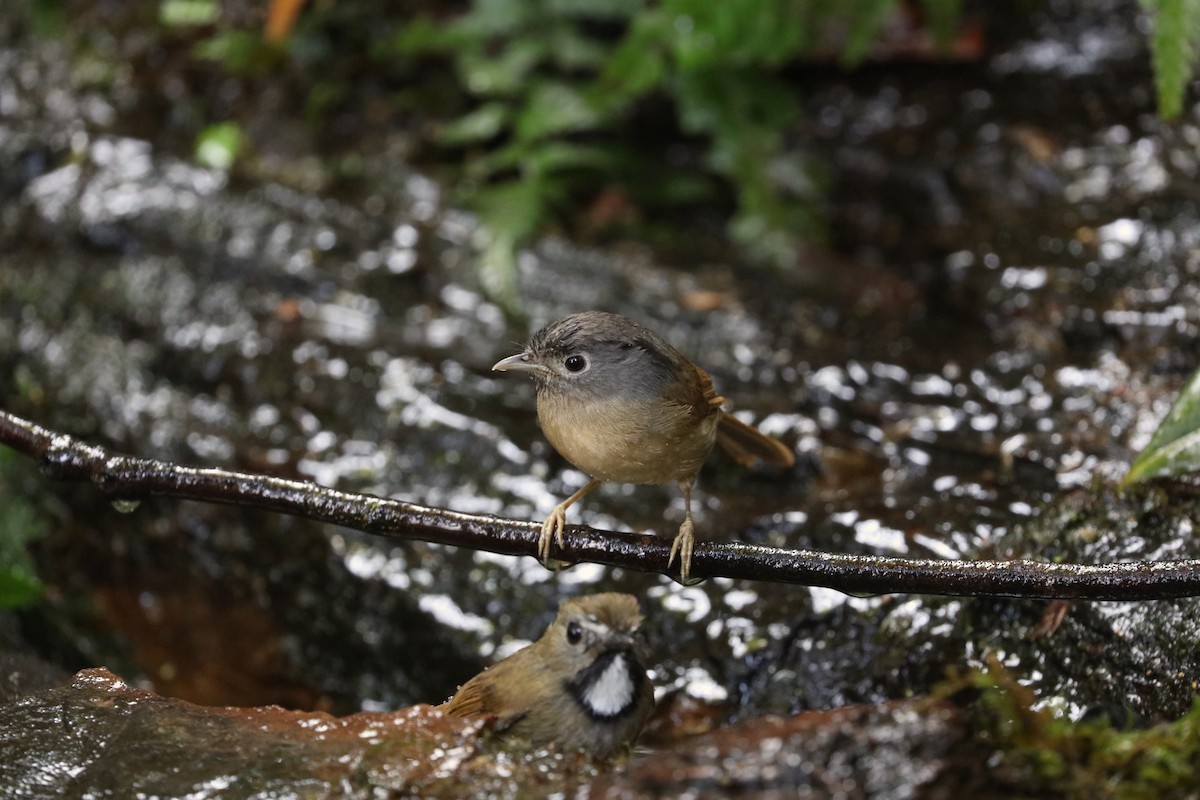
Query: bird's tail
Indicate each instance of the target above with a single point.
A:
(747, 444)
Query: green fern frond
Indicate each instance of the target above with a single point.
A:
(1173, 49)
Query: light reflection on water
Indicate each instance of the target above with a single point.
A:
(382, 385)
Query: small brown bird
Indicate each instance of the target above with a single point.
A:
(622, 405)
(580, 686)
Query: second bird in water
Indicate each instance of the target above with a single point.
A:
(582, 685)
(623, 405)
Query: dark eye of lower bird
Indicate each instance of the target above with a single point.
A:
(575, 363)
(574, 633)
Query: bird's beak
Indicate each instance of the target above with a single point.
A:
(622, 641)
(521, 362)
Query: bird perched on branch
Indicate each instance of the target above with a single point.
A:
(580, 686)
(623, 405)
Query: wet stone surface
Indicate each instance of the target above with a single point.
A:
(130, 741)
(1011, 309)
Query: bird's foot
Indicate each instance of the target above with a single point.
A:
(684, 542)
(552, 529)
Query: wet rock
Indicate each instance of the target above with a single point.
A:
(887, 751)
(125, 741)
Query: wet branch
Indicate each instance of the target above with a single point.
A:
(128, 478)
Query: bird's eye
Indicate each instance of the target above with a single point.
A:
(575, 363)
(574, 633)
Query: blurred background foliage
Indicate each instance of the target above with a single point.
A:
(590, 117)
(566, 95)
(595, 118)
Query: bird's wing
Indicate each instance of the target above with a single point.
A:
(484, 695)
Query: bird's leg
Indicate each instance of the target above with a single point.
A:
(684, 540)
(554, 524)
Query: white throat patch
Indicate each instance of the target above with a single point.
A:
(611, 692)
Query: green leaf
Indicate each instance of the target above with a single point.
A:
(555, 108)
(557, 156)
(18, 588)
(240, 52)
(1173, 47)
(217, 146)
(418, 36)
(512, 210)
(509, 157)
(498, 18)
(48, 18)
(746, 33)
(498, 271)
(1174, 449)
(19, 525)
(485, 122)
(574, 51)
(184, 13)
(506, 73)
(639, 63)
(865, 24)
(508, 213)
(942, 17)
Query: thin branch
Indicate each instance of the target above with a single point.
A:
(128, 478)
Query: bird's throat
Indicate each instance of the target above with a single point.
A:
(609, 688)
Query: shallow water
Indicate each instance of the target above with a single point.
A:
(1008, 309)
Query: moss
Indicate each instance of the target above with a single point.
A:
(1036, 751)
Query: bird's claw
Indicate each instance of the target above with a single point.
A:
(684, 542)
(552, 529)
